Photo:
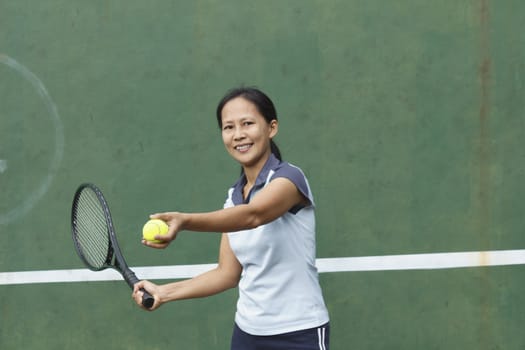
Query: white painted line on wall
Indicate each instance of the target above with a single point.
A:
(52, 112)
(423, 261)
(430, 261)
(85, 275)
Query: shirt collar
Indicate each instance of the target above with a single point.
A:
(270, 164)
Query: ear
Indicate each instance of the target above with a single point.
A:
(274, 127)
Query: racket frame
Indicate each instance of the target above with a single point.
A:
(114, 258)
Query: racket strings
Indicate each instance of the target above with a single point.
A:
(91, 229)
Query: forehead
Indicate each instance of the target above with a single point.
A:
(239, 107)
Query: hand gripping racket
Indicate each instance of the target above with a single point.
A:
(94, 236)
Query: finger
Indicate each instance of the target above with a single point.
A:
(161, 216)
(137, 296)
(154, 245)
(163, 238)
(168, 236)
(172, 232)
(139, 285)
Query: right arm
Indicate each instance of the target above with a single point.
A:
(225, 276)
(271, 202)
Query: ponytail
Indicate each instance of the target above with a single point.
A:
(275, 150)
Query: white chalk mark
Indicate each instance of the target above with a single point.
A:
(429, 261)
(37, 194)
(3, 166)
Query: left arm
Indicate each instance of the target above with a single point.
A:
(225, 276)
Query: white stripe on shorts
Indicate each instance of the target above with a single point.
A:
(321, 336)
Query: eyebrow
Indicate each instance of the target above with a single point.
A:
(241, 119)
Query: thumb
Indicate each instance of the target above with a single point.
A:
(156, 216)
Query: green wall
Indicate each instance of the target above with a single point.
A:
(407, 116)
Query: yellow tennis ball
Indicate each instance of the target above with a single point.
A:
(154, 228)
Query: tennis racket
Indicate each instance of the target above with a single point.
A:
(94, 236)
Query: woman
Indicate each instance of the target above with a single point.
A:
(268, 250)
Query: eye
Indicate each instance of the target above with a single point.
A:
(247, 123)
(227, 127)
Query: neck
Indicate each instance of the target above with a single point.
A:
(251, 172)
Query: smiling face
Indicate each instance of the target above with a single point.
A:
(246, 133)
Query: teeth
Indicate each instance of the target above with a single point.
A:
(242, 147)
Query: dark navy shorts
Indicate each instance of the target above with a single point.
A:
(308, 339)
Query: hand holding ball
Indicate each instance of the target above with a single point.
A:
(154, 228)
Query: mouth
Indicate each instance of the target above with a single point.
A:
(243, 148)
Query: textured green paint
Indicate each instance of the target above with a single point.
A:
(407, 116)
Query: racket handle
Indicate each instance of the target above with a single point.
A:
(131, 279)
(147, 299)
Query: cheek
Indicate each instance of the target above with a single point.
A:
(225, 139)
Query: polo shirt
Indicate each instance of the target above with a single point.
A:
(279, 290)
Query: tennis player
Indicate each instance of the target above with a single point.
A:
(268, 248)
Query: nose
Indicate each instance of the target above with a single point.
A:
(238, 134)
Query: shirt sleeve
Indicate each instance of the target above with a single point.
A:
(297, 177)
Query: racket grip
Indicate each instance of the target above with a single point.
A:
(131, 279)
(147, 299)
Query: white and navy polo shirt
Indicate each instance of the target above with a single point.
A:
(279, 290)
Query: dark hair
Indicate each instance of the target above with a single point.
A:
(261, 101)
